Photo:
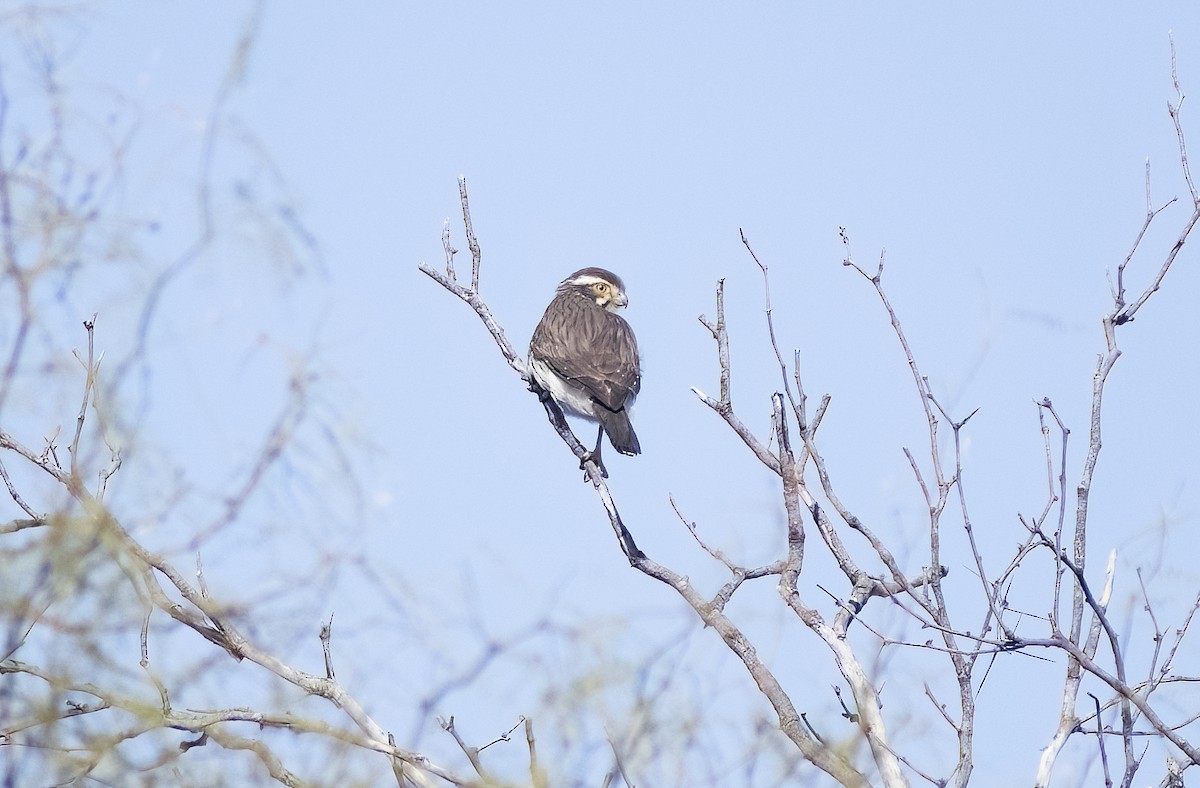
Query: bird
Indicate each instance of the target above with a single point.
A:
(584, 356)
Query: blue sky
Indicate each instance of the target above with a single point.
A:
(996, 152)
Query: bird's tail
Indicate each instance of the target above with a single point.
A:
(619, 429)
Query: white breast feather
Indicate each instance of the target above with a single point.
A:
(570, 397)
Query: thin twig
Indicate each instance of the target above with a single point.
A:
(506, 736)
(797, 407)
(537, 776)
(326, 636)
(35, 518)
(88, 387)
(472, 753)
(1100, 742)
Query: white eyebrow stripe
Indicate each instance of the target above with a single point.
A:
(588, 279)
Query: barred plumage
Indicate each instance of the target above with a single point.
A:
(586, 357)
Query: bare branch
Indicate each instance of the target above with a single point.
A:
(1119, 315)
(472, 753)
(721, 335)
(740, 574)
(12, 268)
(1100, 742)
(724, 406)
(282, 431)
(269, 759)
(797, 407)
(537, 777)
(326, 636)
(88, 386)
(36, 519)
(819, 755)
(506, 736)
(472, 241)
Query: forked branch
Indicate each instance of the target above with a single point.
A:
(711, 613)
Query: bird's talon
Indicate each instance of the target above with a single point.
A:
(592, 457)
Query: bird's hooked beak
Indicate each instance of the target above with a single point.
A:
(621, 300)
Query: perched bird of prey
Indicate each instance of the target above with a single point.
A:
(584, 355)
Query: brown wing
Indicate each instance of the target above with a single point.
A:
(591, 347)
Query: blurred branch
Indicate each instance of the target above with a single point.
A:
(54, 225)
(11, 267)
(20, 525)
(200, 613)
(291, 416)
(269, 759)
(16, 525)
(472, 753)
(206, 230)
(537, 776)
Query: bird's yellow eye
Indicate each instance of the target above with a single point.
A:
(601, 287)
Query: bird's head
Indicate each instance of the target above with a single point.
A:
(604, 287)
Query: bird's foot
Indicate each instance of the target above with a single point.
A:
(592, 456)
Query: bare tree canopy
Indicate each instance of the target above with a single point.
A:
(275, 511)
